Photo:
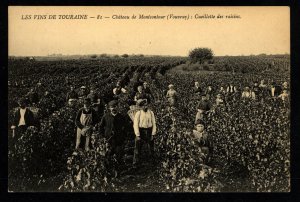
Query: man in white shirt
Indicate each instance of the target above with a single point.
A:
(144, 125)
(23, 118)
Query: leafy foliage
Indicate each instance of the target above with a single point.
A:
(200, 55)
(250, 138)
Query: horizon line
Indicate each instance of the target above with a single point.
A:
(137, 54)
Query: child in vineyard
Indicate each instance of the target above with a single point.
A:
(203, 139)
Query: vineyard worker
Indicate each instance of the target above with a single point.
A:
(275, 90)
(222, 91)
(248, 94)
(209, 92)
(119, 89)
(263, 90)
(231, 89)
(203, 108)
(114, 124)
(257, 91)
(97, 105)
(285, 86)
(196, 89)
(141, 94)
(220, 100)
(203, 139)
(144, 125)
(172, 95)
(82, 93)
(72, 95)
(86, 119)
(284, 96)
(148, 91)
(23, 118)
(262, 84)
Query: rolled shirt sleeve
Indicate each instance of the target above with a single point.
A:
(153, 123)
(136, 124)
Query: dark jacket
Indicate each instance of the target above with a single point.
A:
(114, 127)
(29, 118)
(78, 115)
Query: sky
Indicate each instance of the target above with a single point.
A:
(258, 30)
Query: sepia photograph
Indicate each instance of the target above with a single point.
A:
(149, 99)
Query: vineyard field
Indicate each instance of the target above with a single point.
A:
(251, 139)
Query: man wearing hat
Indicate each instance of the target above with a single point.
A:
(144, 125)
(23, 119)
(113, 125)
(86, 119)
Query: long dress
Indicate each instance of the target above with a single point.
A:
(172, 97)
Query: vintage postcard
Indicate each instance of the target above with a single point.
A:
(149, 99)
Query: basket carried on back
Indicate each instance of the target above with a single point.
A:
(133, 110)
